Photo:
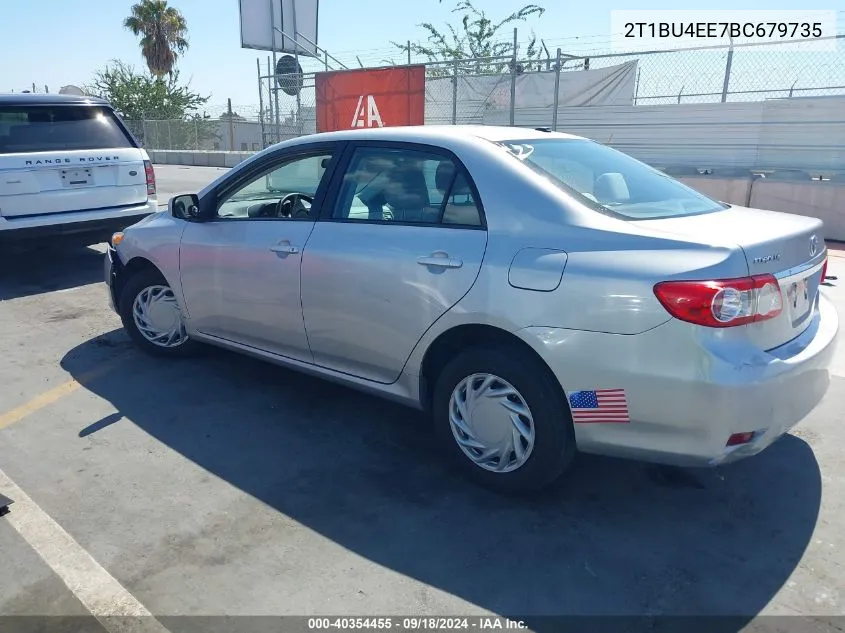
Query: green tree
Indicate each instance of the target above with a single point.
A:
(163, 31)
(235, 117)
(477, 36)
(162, 113)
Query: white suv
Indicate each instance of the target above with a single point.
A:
(69, 170)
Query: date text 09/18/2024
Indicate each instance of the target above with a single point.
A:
(423, 623)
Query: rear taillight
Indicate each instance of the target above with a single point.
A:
(824, 270)
(151, 178)
(722, 302)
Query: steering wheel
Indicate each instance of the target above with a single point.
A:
(291, 206)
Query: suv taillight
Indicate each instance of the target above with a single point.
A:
(151, 178)
(722, 302)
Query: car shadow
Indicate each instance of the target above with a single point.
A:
(49, 269)
(614, 538)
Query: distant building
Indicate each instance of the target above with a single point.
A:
(247, 134)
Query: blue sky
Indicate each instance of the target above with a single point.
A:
(59, 42)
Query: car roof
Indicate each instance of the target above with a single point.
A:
(438, 135)
(421, 133)
(24, 98)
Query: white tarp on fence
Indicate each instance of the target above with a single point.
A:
(486, 99)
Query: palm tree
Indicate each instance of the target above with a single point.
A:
(163, 32)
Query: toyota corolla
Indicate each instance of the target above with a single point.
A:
(537, 293)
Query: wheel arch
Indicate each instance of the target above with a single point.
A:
(461, 337)
(131, 268)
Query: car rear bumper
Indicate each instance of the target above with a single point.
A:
(86, 227)
(687, 394)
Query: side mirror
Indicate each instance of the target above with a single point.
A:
(185, 207)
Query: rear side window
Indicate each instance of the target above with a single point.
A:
(25, 129)
(406, 186)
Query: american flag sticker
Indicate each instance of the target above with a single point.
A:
(602, 405)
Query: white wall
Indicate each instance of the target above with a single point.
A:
(798, 133)
(245, 132)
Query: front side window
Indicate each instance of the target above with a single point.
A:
(608, 180)
(406, 186)
(25, 129)
(284, 191)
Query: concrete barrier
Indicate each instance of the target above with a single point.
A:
(813, 198)
(816, 199)
(230, 159)
(731, 190)
(198, 158)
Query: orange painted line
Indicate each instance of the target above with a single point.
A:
(53, 395)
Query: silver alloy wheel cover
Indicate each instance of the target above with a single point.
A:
(157, 317)
(491, 423)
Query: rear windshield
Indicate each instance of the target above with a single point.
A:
(608, 180)
(49, 128)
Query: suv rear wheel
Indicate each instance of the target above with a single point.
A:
(151, 316)
(502, 419)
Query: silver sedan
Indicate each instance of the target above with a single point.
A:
(537, 293)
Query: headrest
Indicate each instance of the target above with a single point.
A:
(443, 180)
(406, 188)
(611, 187)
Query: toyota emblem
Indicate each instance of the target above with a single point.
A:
(814, 246)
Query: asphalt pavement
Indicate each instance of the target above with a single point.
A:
(222, 485)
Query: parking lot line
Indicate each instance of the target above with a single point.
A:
(99, 592)
(52, 395)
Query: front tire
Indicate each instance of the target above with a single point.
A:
(501, 418)
(151, 316)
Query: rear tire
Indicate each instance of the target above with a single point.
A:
(151, 317)
(518, 403)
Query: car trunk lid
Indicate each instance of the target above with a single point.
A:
(790, 247)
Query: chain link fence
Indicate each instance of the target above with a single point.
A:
(288, 105)
(496, 91)
(218, 127)
(744, 73)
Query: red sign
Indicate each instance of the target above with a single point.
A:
(350, 99)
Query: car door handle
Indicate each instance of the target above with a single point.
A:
(287, 249)
(440, 262)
